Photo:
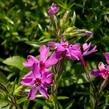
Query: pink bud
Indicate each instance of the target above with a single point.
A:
(53, 9)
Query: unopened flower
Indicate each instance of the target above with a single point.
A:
(88, 33)
(53, 9)
(103, 69)
(38, 81)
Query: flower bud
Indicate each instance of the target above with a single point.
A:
(88, 33)
(53, 9)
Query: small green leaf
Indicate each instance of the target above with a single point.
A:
(15, 61)
(73, 19)
(21, 100)
(2, 86)
(3, 79)
(62, 97)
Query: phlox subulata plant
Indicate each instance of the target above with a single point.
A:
(40, 78)
(44, 72)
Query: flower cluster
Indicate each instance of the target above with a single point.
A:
(72, 51)
(40, 77)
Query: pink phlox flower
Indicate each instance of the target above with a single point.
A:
(63, 49)
(44, 62)
(53, 9)
(38, 81)
(103, 70)
(87, 49)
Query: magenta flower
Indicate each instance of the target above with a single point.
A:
(38, 81)
(44, 62)
(53, 9)
(63, 49)
(103, 70)
(87, 49)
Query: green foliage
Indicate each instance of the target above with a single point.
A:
(25, 25)
(15, 61)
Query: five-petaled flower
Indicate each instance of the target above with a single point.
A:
(44, 62)
(38, 81)
(103, 69)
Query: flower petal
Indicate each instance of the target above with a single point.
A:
(44, 51)
(106, 55)
(36, 71)
(47, 78)
(74, 47)
(30, 60)
(101, 66)
(52, 60)
(43, 92)
(86, 46)
(85, 53)
(59, 47)
(96, 72)
(28, 75)
(104, 75)
(62, 40)
(51, 43)
(27, 82)
(75, 54)
(32, 93)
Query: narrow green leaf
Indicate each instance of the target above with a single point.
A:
(73, 19)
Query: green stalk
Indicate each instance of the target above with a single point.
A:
(57, 77)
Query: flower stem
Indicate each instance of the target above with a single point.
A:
(57, 77)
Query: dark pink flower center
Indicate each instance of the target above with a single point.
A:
(65, 45)
(42, 65)
(37, 82)
(106, 71)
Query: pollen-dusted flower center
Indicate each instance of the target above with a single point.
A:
(37, 82)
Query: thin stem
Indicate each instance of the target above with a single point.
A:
(104, 84)
(56, 28)
(13, 100)
(94, 89)
(57, 75)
